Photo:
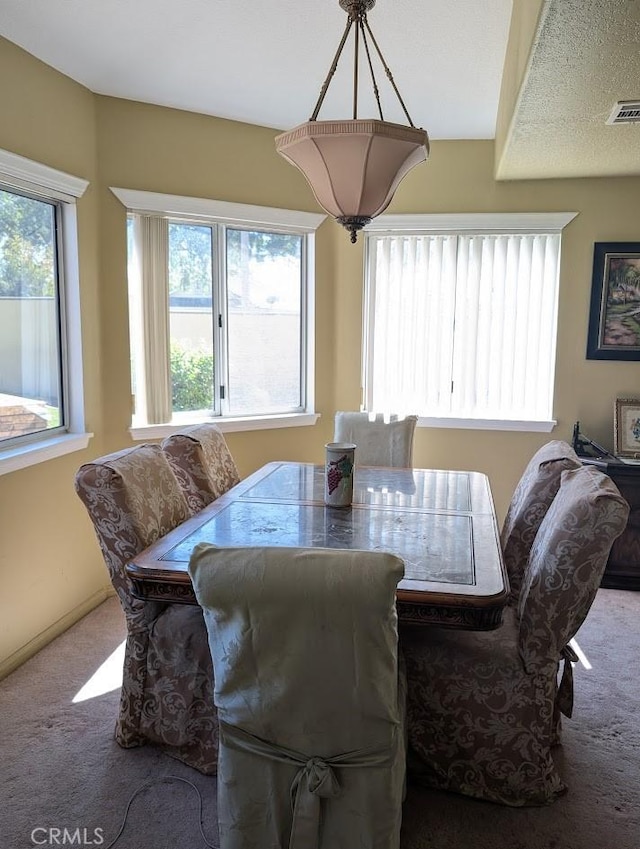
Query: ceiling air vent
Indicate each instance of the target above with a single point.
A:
(625, 112)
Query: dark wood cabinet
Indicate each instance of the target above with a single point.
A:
(623, 566)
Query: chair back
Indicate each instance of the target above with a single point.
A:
(304, 649)
(567, 561)
(532, 498)
(202, 462)
(166, 699)
(380, 440)
(484, 707)
(132, 498)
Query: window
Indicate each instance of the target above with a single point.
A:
(221, 300)
(460, 318)
(41, 409)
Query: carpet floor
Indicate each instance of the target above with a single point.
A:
(61, 769)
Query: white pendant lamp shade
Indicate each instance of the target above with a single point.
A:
(354, 167)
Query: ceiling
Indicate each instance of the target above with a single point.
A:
(264, 62)
(584, 58)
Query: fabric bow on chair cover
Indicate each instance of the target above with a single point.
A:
(314, 780)
(309, 696)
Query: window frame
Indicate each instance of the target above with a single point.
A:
(240, 216)
(62, 190)
(455, 224)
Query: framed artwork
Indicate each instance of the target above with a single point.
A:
(626, 427)
(614, 318)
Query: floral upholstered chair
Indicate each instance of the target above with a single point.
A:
(202, 462)
(532, 498)
(309, 695)
(481, 708)
(133, 498)
(379, 440)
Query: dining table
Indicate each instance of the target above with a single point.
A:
(442, 523)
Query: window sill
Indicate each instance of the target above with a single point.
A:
(226, 425)
(488, 424)
(30, 454)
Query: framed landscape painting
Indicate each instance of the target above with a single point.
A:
(614, 318)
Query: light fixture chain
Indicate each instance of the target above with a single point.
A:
(388, 73)
(349, 182)
(332, 70)
(356, 62)
(374, 84)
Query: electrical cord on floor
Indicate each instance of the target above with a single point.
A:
(164, 780)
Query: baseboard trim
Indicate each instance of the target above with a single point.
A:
(27, 651)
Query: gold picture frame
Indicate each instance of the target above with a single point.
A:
(626, 427)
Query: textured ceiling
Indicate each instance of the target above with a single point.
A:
(263, 62)
(585, 57)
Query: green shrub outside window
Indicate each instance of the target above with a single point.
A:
(191, 378)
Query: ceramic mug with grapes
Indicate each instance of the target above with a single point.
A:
(338, 480)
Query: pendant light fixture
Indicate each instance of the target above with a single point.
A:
(354, 166)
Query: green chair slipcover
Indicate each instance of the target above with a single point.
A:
(309, 697)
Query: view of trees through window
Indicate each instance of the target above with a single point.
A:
(30, 372)
(190, 316)
(26, 247)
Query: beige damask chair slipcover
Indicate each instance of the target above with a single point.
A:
(202, 462)
(531, 499)
(380, 440)
(133, 498)
(309, 696)
(481, 709)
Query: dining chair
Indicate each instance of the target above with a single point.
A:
(482, 707)
(309, 695)
(133, 498)
(380, 440)
(202, 462)
(531, 499)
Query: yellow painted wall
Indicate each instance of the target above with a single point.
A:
(49, 561)
(50, 568)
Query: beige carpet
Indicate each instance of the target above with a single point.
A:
(62, 770)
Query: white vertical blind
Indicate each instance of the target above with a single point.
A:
(149, 322)
(412, 304)
(463, 325)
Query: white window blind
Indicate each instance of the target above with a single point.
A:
(462, 325)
